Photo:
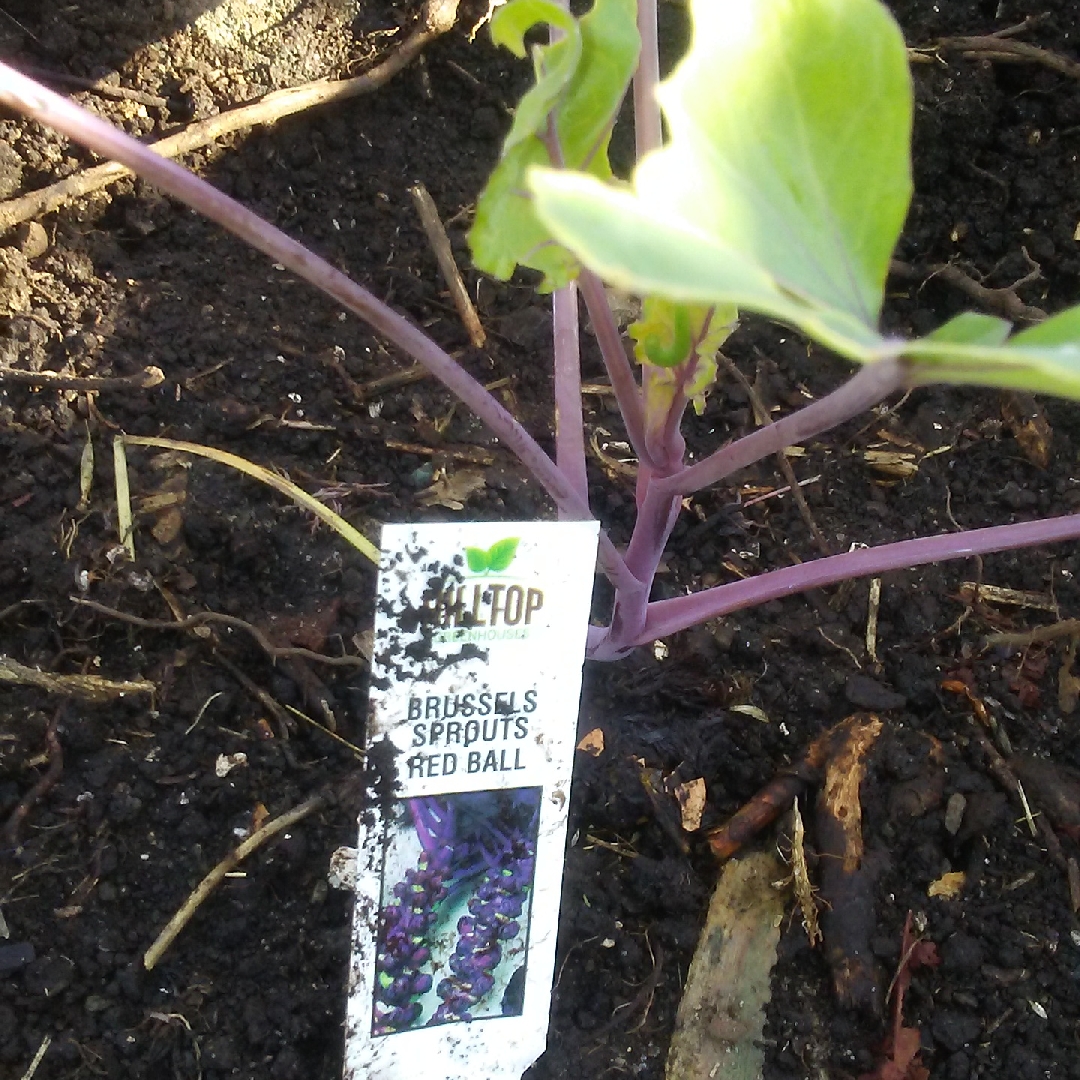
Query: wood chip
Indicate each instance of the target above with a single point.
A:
(721, 1017)
(691, 799)
(805, 893)
(948, 885)
(1029, 426)
(592, 742)
(891, 463)
(452, 490)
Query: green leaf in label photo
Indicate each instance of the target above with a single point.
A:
(477, 558)
(501, 554)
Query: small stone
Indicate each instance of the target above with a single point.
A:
(954, 813)
(867, 693)
(31, 239)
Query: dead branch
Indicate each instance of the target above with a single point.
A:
(87, 687)
(204, 618)
(444, 255)
(1004, 302)
(847, 879)
(217, 875)
(94, 86)
(771, 801)
(10, 835)
(263, 697)
(1005, 51)
(54, 380)
(1064, 628)
(474, 455)
(437, 18)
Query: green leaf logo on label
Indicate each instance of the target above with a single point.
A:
(496, 559)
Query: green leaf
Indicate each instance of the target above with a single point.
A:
(554, 64)
(1051, 370)
(787, 171)
(580, 80)
(973, 328)
(679, 343)
(1061, 329)
(641, 249)
(1044, 358)
(662, 336)
(477, 558)
(501, 554)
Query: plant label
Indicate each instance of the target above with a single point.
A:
(480, 635)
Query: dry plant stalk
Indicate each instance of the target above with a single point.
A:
(444, 255)
(87, 687)
(804, 891)
(205, 887)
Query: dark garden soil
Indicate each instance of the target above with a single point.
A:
(258, 364)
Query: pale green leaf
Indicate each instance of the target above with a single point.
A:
(1044, 358)
(973, 328)
(602, 50)
(1048, 369)
(663, 335)
(640, 249)
(1060, 329)
(790, 137)
(554, 64)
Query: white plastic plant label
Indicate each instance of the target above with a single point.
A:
(480, 633)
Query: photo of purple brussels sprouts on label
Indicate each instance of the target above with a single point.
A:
(454, 912)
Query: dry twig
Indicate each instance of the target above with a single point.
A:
(217, 875)
(204, 618)
(10, 835)
(1004, 302)
(444, 255)
(762, 416)
(95, 86)
(86, 687)
(1006, 51)
(55, 380)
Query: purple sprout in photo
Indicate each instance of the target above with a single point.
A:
(493, 919)
(400, 980)
(477, 855)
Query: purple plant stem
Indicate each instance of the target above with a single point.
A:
(569, 422)
(655, 520)
(665, 617)
(23, 94)
(627, 393)
(649, 136)
(648, 132)
(864, 389)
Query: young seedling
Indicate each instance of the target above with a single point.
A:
(781, 192)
